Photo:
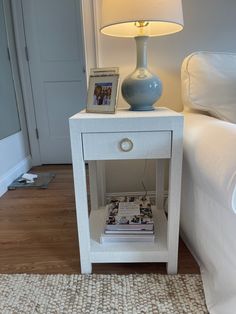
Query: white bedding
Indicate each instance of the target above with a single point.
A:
(208, 219)
(210, 147)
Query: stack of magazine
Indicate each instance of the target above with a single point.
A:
(129, 219)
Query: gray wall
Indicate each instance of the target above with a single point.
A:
(9, 117)
(14, 149)
(210, 25)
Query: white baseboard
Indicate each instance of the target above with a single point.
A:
(149, 193)
(5, 180)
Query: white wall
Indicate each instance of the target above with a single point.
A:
(209, 25)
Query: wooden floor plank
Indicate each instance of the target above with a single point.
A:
(38, 232)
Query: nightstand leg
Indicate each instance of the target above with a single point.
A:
(93, 184)
(97, 183)
(160, 176)
(101, 179)
(175, 171)
(81, 201)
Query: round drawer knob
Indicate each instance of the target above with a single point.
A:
(126, 145)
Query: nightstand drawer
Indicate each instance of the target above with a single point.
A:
(127, 145)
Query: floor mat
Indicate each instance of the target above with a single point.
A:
(42, 182)
(102, 294)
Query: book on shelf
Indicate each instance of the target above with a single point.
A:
(113, 238)
(129, 214)
(129, 219)
(129, 231)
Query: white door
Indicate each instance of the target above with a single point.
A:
(53, 30)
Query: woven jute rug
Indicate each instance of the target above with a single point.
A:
(102, 294)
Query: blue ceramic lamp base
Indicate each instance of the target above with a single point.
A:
(141, 89)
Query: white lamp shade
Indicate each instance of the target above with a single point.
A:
(163, 16)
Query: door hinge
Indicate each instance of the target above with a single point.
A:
(37, 133)
(26, 53)
(8, 54)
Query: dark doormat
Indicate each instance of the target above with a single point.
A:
(42, 181)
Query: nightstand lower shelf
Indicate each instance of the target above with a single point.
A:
(128, 252)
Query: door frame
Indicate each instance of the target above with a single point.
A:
(90, 54)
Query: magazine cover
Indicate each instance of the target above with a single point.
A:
(129, 213)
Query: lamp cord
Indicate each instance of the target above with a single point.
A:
(142, 181)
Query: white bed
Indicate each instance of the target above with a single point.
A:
(208, 210)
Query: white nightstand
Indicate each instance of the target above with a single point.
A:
(126, 135)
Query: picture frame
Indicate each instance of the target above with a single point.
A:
(102, 90)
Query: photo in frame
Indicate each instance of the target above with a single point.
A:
(102, 91)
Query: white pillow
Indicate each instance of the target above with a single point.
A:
(209, 84)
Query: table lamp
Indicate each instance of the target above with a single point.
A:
(141, 19)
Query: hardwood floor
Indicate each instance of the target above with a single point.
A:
(38, 232)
